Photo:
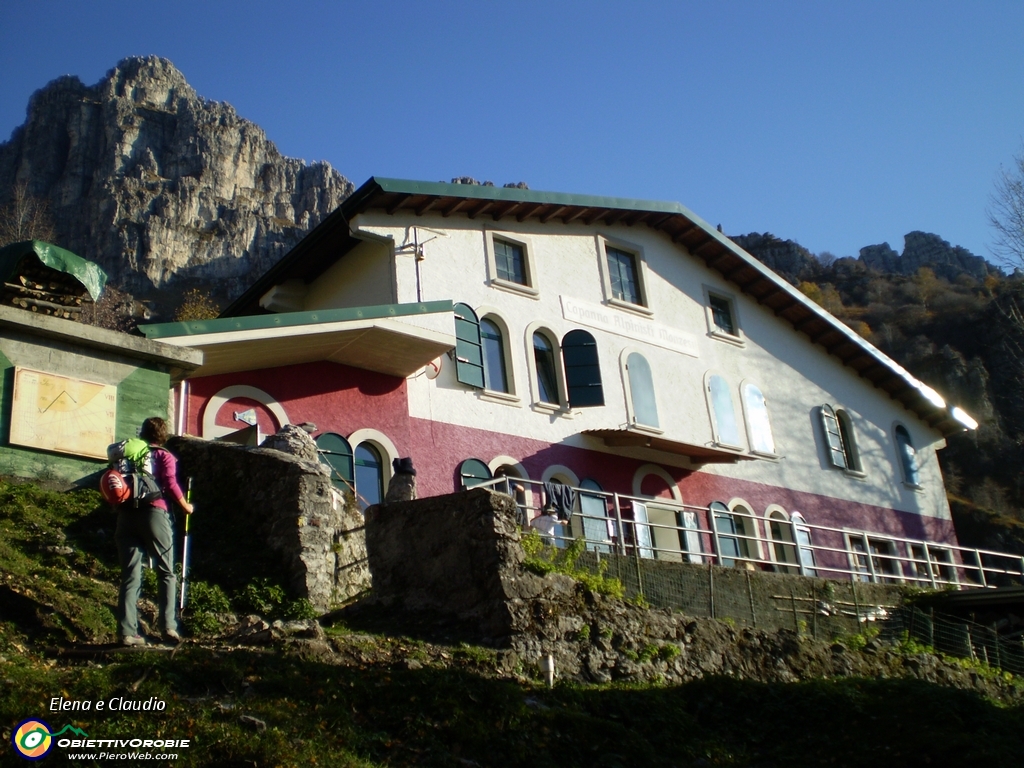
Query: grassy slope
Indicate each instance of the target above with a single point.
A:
(397, 701)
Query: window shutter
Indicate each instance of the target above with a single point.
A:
(833, 437)
(582, 370)
(473, 472)
(469, 355)
(641, 390)
(336, 453)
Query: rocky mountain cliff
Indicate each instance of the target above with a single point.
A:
(920, 249)
(164, 189)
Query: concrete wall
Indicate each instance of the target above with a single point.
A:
(141, 370)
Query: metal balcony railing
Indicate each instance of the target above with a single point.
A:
(663, 529)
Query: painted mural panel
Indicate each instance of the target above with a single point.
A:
(63, 414)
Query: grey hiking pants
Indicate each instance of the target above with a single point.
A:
(140, 532)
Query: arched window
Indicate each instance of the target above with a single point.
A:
(335, 451)
(594, 515)
(725, 528)
(641, 391)
(469, 361)
(493, 342)
(473, 472)
(723, 414)
(759, 428)
(907, 455)
(804, 544)
(582, 370)
(840, 440)
(544, 360)
(369, 475)
(783, 545)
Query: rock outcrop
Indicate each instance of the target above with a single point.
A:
(785, 257)
(164, 189)
(923, 249)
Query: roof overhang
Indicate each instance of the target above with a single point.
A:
(397, 344)
(333, 238)
(697, 454)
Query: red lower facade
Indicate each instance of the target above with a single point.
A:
(342, 400)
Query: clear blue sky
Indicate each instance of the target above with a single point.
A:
(837, 125)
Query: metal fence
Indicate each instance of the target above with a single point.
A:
(664, 530)
(774, 573)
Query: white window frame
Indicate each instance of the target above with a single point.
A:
(531, 365)
(715, 436)
(627, 390)
(744, 386)
(493, 395)
(847, 439)
(907, 481)
(637, 252)
(530, 288)
(736, 339)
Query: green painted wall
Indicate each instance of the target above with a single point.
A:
(141, 394)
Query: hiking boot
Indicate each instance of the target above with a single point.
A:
(133, 640)
(172, 637)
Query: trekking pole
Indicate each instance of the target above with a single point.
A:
(184, 551)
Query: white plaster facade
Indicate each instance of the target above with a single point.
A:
(409, 258)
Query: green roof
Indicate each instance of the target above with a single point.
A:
(88, 273)
(515, 194)
(290, 319)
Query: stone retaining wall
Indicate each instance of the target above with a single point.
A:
(263, 513)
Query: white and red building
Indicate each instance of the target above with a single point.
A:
(620, 345)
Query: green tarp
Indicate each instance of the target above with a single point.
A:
(87, 273)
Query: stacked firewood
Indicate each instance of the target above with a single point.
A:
(37, 288)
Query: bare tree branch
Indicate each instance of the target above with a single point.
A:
(25, 217)
(1006, 214)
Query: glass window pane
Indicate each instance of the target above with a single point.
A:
(721, 314)
(369, 475)
(494, 357)
(757, 420)
(623, 275)
(510, 261)
(544, 358)
(641, 390)
(725, 416)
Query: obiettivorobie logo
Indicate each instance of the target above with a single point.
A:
(33, 740)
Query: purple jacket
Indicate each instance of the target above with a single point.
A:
(165, 469)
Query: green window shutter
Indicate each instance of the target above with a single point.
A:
(582, 370)
(833, 437)
(469, 355)
(336, 453)
(473, 472)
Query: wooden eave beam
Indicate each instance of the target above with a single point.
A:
(683, 233)
(555, 211)
(391, 209)
(614, 216)
(575, 215)
(656, 223)
(481, 209)
(524, 215)
(501, 212)
(459, 204)
(427, 206)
